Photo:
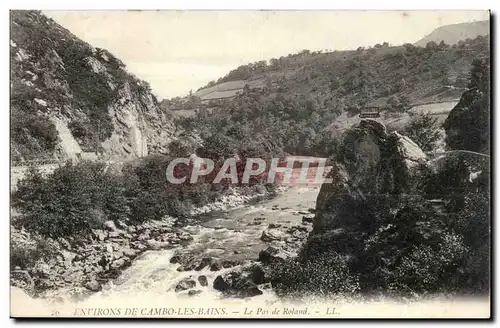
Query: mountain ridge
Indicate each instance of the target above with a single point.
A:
(454, 33)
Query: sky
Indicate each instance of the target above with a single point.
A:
(179, 51)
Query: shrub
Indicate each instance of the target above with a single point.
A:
(424, 130)
(72, 200)
(36, 131)
(25, 256)
(320, 276)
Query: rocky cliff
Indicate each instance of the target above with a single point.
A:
(70, 100)
(468, 124)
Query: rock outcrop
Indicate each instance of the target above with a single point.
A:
(371, 164)
(71, 100)
(386, 216)
(468, 124)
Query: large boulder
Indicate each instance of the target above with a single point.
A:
(371, 164)
(93, 285)
(185, 284)
(241, 283)
(275, 255)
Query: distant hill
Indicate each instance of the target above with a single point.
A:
(297, 102)
(452, 34)
(340, 79)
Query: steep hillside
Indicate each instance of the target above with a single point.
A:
(70, 100)
(452, 34)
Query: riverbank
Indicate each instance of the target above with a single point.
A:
(81, 265)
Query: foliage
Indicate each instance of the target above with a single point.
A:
(35, 132)
(25, 256)
(323, 276)
(424, 130)
(72, 200)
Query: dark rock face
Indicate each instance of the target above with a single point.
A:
(468, 124)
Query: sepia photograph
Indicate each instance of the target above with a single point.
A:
(250, 164)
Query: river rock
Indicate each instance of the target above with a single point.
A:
(119, 263)
(109, 225)
(200, 264)
(138, 245)
(99, 234)
(240, 283)
(121, 225)
(156, 245)
(103, 262)
(42, 270)
(307, 219)
(203, 281)
(254, 223)
(114, 234)
(274, 255)
(143, 236)
(109, 248)
(216, 266)
(93, 285)
(64, 243)
(129, 252)
(194, 292)
(185, 284)
(270, 235)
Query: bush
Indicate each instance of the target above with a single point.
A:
(424, 130)
(322, 276)
(35, 131)
(72, 200)
(25, 257)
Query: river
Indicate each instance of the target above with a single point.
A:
(147, 287)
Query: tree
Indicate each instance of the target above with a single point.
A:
(431, 45)
(423, 129)
(479, 75)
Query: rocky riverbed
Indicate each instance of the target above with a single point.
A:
(82, 265)
(232, 240)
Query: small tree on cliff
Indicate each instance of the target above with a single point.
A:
(423, 129)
